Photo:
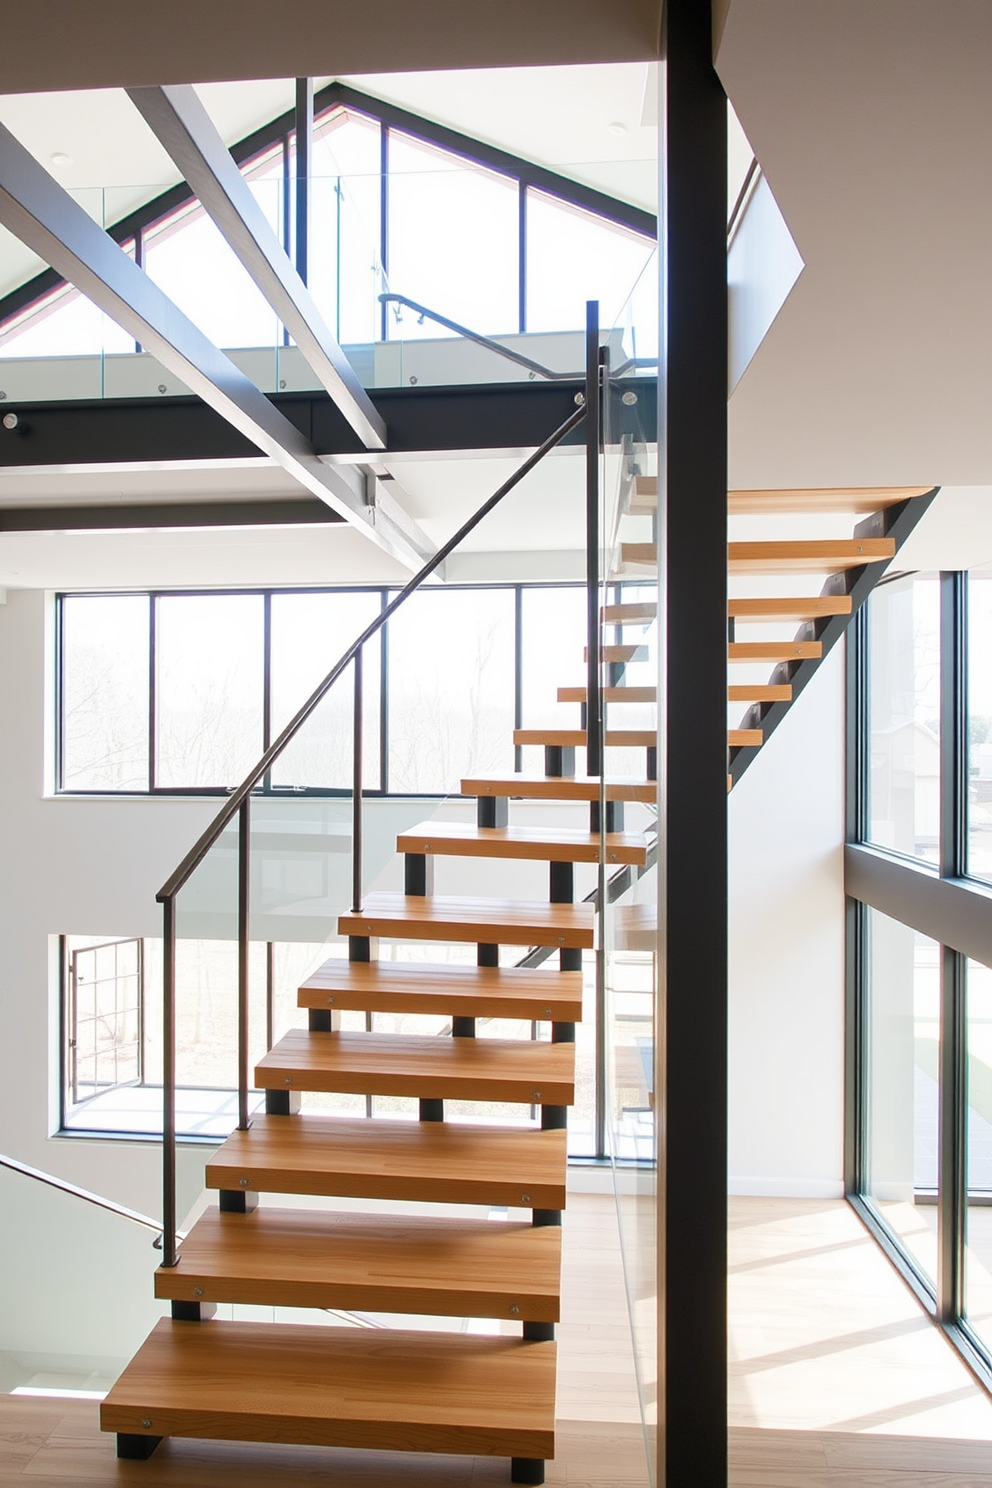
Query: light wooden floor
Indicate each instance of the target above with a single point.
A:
(836, 1381)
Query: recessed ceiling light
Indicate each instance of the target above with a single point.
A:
(617, 128)
(61, 158)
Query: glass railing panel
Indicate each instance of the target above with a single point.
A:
(453, 249)
(56, 1330)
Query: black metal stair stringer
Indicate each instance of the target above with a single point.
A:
(896, 522)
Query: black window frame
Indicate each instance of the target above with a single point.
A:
(953, 908)
(266, 789)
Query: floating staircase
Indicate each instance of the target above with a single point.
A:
(436, 1390)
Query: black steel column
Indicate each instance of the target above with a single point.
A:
(304, 170)
(691, 1078)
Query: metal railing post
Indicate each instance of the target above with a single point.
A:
(594, 738)
(169, 1255)
(244, 860)
(356, 800)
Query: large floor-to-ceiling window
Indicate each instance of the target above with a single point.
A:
(919, 866)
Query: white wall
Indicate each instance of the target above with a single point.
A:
(787, 953)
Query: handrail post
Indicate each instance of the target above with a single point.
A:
(244, 864)
(169, 1255)
(594, 737)
(356, 799)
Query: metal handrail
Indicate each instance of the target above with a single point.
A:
(487, 341)
(51, 1181)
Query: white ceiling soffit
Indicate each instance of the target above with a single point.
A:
(115, 43)
(872, 124)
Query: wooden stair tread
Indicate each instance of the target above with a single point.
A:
(460, 839)
(610, 694)
(469, 991)
(810, 607)
(744, 738)
(774, 651)
(639, 553)
(760, 692)
(576, 738)
(437, 1162)
(431, 1067)
(820, 499)
(632, 613)
(824, 555)
(564, 788)
(369, 1262)
(619, 653)
(644, 498)
(484, 920)
(387, 1389)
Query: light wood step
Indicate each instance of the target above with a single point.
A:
(640, 554)
(633, 613)
(563, 788)
(760, 692)
(820, 556)
(644, 498)
(809, 607)
(432, 1068)
(744, 738)
(621, 654)
(436, 1162)
(820, 499)
(391, 1390)
(463, 991)
(369, 1263)
(774, 651)
(610, 694)
(576, 738)
(460, 839)
(486, 921)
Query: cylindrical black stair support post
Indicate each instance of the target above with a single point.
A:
(562, 883)
(431, 1110)
(418, 874)
(526, 1469)
(244, 854)
(570, 958)
(356, 789)
(487, 955)
(594, 742)
(563, 1033)
(541, 1218)
(652, 762)
(319, 1020)
(462, 1027)
(359, 948)
(554, 1118)
(559, 759)
(492, 811)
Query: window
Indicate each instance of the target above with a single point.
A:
(105, 1008)
(184, 691)
(904, 669)
(919, 1166)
